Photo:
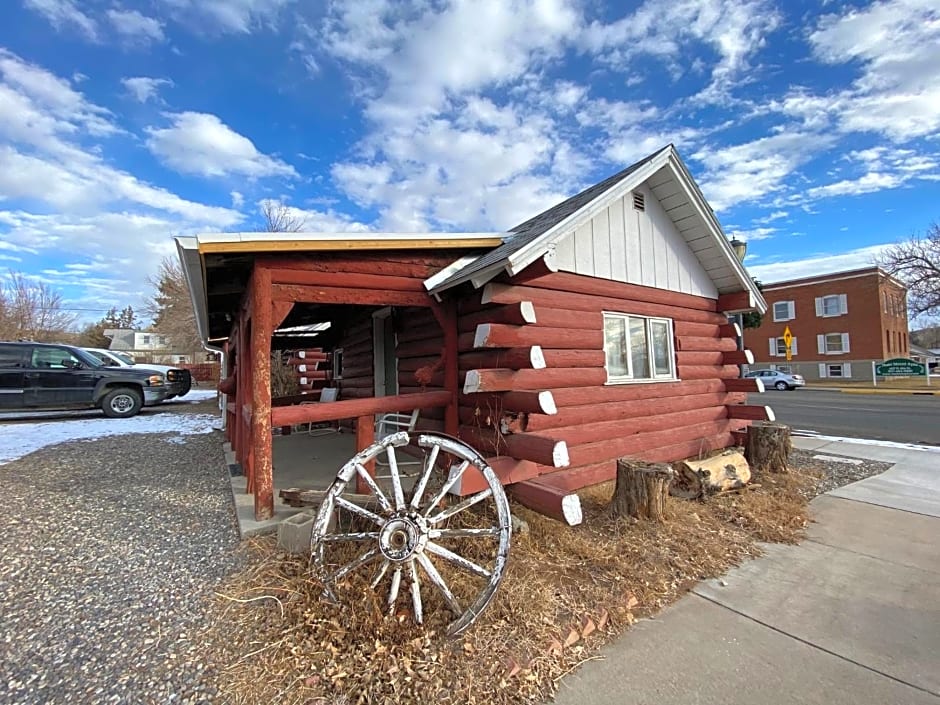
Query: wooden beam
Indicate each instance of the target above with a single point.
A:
(737, 357)
(745, 384)
(496, 335)
(715, 358)
(333, 295)
(365, 436)
(751, 412)
(516, 402)
(503, 380)
(542, 450)
(347, 245)
(507, 469)
(279, 312)
(736, 302)
(729, 330)
(261, 442)
(353, 408)
(517, 314)
(357, 264)
(557, 504)
(581, 396)
(530, 358)
(566, 318)
(708, 371)
(574, 358)
(623, 411)
(420, 348)
(688, 343)
(618, 429)
(507, 294)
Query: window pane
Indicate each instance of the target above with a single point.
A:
(834, 342)
(835, 370)
(781, 310)
(639, 349)
(615, 347)
(781, 346)
(660, 332)
(831, 306)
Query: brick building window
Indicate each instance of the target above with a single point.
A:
(784, 311)
(832, 343)
(778, 348)
(638, 348)
(842, 369)
(834, 305)
(888, 340)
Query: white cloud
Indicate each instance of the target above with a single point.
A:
(134, 26)
(753, 235)
(317, 221)
(734, 31)
(896, 46)
(64, 13)
(869, 183)
(143, 88)
(200, 143)
(238, 200)
(226, 16)
(821, 263)
(755, 170)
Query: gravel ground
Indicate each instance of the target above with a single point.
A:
(109, 550)
(836, 473)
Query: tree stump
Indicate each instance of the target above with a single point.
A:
(768, 447)
(696, 478)
(641, 490)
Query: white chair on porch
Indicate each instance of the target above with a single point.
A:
(327, 394)
(385, 426)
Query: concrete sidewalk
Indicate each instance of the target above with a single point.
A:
(852, 615)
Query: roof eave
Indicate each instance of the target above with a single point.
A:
(191, 261)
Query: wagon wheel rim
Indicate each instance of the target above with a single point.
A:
(405, 530)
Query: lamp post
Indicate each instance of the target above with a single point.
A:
(740, 250)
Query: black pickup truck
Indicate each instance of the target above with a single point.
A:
(40, 376)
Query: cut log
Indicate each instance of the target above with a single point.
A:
(549, 501)
(694, 343)
(509, 470)
(566, 318)
(497, 335)
(708, 372)
(497, 380)
(768, 447)
(542, 450)
(527, 358)
(641, 490)
(737, 357)
(574, 358)
(745, 384)
(737, 302)
(518, 314)
(523, 402)
(697, 478)
(751, 412)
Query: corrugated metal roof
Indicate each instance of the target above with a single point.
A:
(527, 232)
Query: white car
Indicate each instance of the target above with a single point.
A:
(179, 380)
(777, 379)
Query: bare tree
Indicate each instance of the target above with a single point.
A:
(171, 308)
(32, 310)
(916, 262)
(281, 218)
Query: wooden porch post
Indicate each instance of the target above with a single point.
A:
(261, 447)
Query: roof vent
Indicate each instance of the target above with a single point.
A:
(639, 201)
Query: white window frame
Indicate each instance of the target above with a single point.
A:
(778, 348)
(790, 314)
(839, 305)
(823, 348)
(671, 355)
(336, 363)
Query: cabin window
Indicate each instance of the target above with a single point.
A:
(638, 348)
(337, 363)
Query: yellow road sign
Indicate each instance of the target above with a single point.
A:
(787, 339)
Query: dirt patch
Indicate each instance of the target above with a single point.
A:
(567, 591)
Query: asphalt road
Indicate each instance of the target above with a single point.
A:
(906, 418)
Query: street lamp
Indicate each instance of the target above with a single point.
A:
(740, 249)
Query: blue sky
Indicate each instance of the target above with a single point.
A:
(812, 128)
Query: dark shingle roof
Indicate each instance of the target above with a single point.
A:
(533, 228)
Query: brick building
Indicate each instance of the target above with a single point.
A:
(840, 323)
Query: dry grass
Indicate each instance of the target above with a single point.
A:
(898, 383)
(274, 640)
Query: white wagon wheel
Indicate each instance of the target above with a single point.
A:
(405, 532)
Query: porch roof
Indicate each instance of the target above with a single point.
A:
(236, 252)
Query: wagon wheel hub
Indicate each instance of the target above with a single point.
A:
(402, 537)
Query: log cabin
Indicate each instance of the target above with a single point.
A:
(595, 330)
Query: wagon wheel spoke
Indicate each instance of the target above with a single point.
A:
(457, 560)
(393, 590)
(439, 582)
(460, 506)
(359, 536)
(416, 603)
(451, 481)
(430, 462)
(376, 490)
(380, 573)
(462, 533)
(397, 491)
(361, 511)
(358, 563)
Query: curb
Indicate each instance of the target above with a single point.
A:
(888, 391)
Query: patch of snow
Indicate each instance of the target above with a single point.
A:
(17, 440)
(806, 433)
(838, 459)
(199, 395)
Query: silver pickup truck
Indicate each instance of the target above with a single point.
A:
(178, 380)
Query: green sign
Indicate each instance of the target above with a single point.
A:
(900, 367)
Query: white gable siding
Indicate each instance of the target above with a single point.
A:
(639, 247)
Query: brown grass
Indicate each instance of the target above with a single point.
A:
(274, 640)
